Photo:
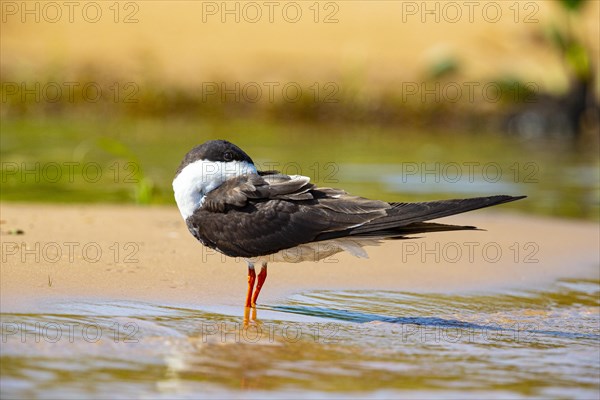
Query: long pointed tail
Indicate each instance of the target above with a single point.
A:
(410, 218)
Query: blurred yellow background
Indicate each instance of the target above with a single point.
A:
(368, 43)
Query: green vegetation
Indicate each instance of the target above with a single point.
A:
(126, 160)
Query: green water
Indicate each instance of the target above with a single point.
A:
(331, 344)
(133, 160)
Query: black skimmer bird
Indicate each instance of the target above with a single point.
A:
(266, 216)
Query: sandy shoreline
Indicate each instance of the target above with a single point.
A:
(74, 252)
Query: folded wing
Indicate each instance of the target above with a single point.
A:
(254, 215)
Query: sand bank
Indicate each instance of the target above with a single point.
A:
(71, 252)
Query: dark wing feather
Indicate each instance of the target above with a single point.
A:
(409, 218)
(402, 232)
(237, 191)
(403, 214)
(254, 215)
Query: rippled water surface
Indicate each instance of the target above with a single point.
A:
(326, 344)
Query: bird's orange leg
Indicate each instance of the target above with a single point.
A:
(262, 277)
(249, 315)
(251, 279)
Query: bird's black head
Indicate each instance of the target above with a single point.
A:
(215, 150)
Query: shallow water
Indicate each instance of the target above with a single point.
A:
(326, 344)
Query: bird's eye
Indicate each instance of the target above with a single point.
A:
(228, 156)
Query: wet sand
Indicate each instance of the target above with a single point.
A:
(129, 253)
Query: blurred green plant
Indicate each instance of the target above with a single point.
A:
(574, 112)
(144, 186)
(443, 68)
(564, 37)
(573, 5)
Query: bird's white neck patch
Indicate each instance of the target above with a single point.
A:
(200, 177)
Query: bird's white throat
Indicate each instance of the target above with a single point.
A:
(200, 177)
